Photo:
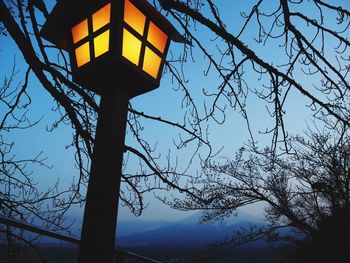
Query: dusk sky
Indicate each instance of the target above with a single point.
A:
(163, 102)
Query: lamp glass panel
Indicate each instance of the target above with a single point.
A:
(151, 63)
(80, 31)
(131, 47)
(156, 37)
(101, 17)
(101, 43)
(134, 17)
(82, 54)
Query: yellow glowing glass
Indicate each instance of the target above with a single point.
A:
(80, 31)
(157, 37)
(151, 63)
(101, 17)
(101, 43)
(131, 47)
(134, 17)
(82, 54)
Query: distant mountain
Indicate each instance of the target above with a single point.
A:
(132, 227)
(187, 235)
(188, 240)
(241, 217)
(124, 227)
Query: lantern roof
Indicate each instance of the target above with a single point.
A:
(65, 13)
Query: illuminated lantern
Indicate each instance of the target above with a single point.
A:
(119, 44)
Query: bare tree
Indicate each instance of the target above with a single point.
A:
(289, 46)
(20, 197)
(310, 46)
(306, 191)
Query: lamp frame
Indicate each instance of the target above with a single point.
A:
(111, 67)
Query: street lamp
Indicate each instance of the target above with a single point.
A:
(117, 48)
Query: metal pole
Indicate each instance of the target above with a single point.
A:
(119, 253)
(37, 230)
(100, 215)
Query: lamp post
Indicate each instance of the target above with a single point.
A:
(117, 48)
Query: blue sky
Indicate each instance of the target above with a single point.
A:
(165, 100)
